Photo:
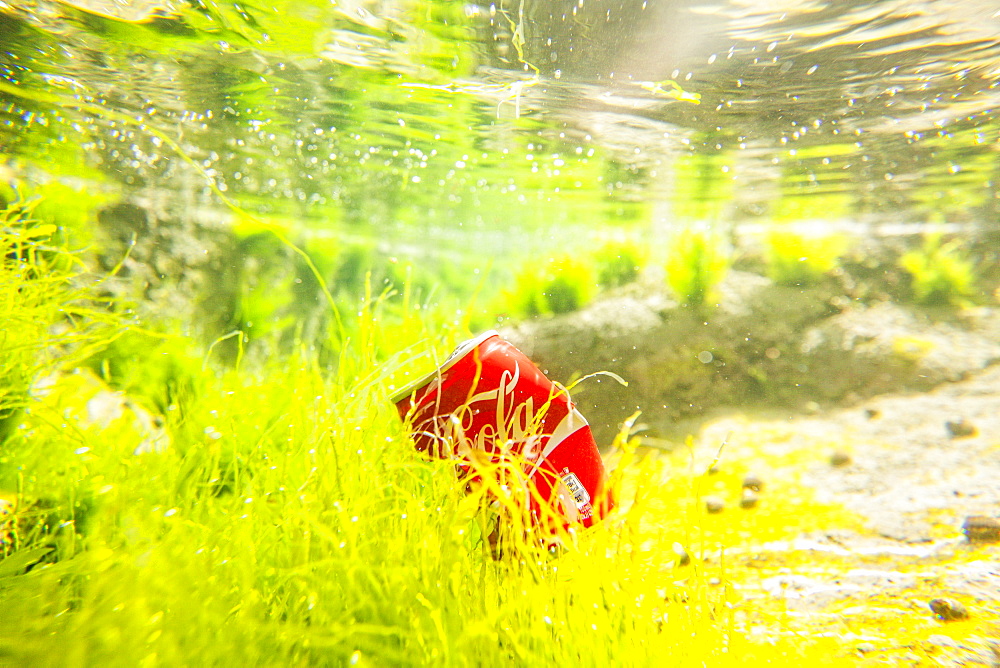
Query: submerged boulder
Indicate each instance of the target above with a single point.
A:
(761, 345)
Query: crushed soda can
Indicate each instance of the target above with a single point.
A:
(488, 401)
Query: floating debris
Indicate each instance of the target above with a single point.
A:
(488, 387)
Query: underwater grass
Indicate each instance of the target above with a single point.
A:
(797, 259)
(696, 263)
(942, 272)
(46, 320)
(549, 286)
(288, 520)
(292, 523)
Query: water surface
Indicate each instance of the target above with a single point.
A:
(436, 128)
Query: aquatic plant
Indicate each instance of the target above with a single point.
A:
(796, 259)
(289, 520)
(696, 262)
(47, 319)
(618, 263)
(70, 209)
(552, 286)
(942, 272)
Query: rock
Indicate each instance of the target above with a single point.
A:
(887, 347)
(177, 264)
(770, 346)
(652, 342)
(948, 610)
(753, 482)
(714, 505)
(682, 558)
(981, 529)
(960, 428)
(839, 458)
(749, 499)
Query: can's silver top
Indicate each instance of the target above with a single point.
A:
(460, 351)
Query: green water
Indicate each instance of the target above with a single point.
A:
(442, 134)
(208, 199)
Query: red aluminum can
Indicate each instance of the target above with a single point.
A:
(490, 401)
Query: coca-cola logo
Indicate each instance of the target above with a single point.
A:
(515, 427)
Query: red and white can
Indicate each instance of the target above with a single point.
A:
(489, 401)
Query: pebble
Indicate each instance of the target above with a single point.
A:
(681, 555)
(948, 609)
(839, 458)
(714, 504)
(753, 481)
(981, 529)
(749, 499)
(960, 428)
(866, 647)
